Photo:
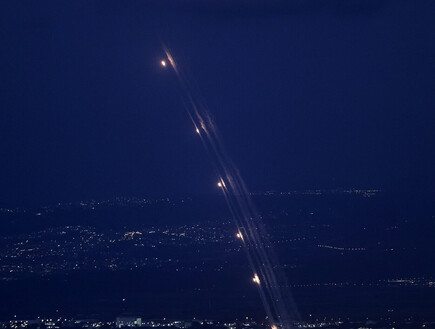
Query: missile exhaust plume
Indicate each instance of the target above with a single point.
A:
(271, 282)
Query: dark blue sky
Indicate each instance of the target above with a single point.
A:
(307, 94)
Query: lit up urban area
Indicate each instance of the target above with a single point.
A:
(178, 263)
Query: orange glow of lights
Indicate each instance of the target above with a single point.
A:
(163, 63)
(239, 235)
(256, 279)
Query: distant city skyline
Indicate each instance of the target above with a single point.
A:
(160, 257)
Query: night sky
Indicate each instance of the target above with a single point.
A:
(307, 94)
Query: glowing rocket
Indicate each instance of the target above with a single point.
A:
(256, 279)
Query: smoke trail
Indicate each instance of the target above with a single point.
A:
(267, 274)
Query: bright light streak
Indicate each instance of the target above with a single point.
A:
(277, 300)
(256, 279)
(171, 61)
(221, 184)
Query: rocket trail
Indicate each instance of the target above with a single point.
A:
(267, 273)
